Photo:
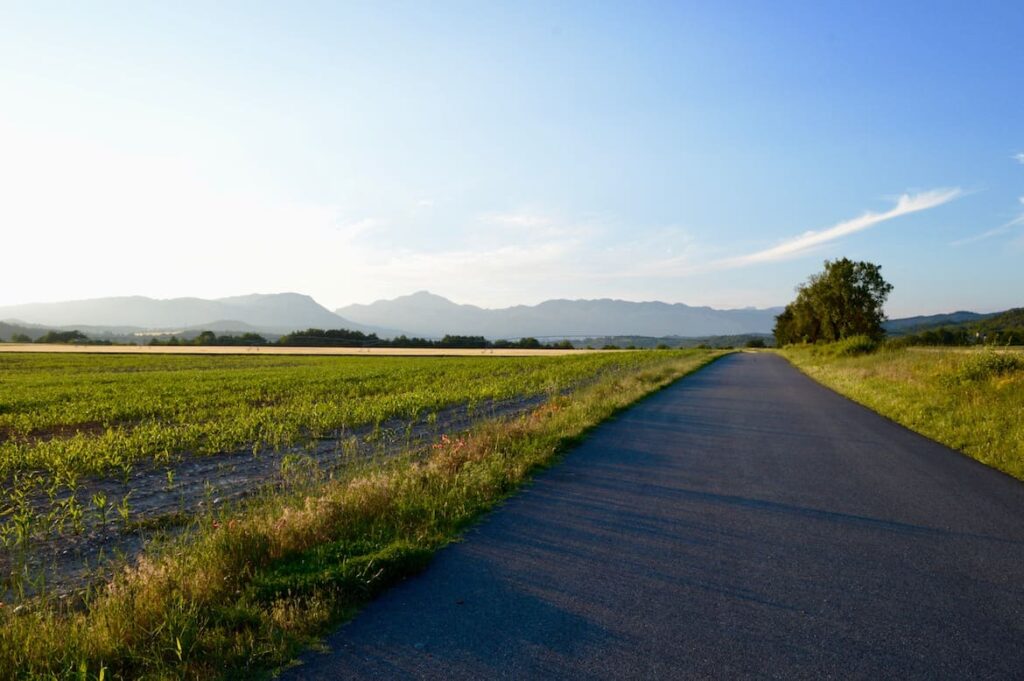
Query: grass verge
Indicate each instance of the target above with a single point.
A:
(244, 593)
(969, 399)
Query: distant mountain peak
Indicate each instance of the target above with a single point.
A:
(425, 295)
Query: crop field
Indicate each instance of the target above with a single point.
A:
(196, 516)
(969, 399)
(65, 416)
(95, 449)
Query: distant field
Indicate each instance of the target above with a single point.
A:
(277, 350)
(971, 399)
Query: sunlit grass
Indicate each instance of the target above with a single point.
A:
(969, 399)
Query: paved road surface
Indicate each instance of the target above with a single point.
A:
(745, 522)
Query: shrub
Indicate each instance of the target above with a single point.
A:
(989, 364)
(856, 345)
(848, 347)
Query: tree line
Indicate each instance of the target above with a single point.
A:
(63, 337)
(1006, 328)
(345, 338)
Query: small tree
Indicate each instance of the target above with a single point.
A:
(205, 338)
(844, 300)
(62, 337)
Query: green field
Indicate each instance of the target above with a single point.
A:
(241, 587)
(65, 419)
(70, 415)
(969, 399)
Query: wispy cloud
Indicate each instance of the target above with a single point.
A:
(1002, 229)
(797, 246)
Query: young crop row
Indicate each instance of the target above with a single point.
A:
(64, 418)
(94, 414)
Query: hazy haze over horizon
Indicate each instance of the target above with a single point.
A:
(501, 155)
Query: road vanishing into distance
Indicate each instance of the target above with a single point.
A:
(745, 522)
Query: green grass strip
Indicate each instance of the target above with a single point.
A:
(969, 399)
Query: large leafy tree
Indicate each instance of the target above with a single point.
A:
(844, 300)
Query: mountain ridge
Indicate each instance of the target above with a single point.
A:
(417, 314)
(277, 312)
(427, 314)
(922, 322)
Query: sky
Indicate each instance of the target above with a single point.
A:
(711, 153)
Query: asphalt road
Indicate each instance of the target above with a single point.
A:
(743, 523)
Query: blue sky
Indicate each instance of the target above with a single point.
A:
(509, 153)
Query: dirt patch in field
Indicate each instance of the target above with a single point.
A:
(44, 433)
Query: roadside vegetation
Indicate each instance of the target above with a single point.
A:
(246, 586)
(969, 399)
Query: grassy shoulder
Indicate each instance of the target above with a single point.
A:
(969, 399)
(245, 592)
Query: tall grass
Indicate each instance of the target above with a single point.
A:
(247, 591)
(969, 399)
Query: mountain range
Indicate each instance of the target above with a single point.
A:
(276, 312)
(426, 314)
(420, 314)
(906, 325)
